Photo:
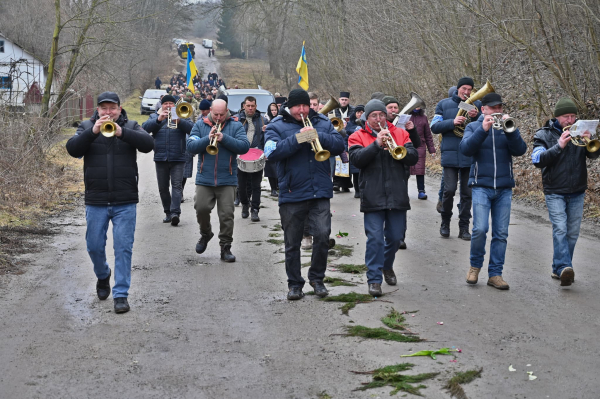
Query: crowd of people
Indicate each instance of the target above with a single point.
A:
(307, 159)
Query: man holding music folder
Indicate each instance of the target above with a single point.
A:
(305, 186)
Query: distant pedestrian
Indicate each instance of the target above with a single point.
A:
(157, 83)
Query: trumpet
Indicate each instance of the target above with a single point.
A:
(183, 110)
(580, 141)
(108, 128)
(397, 151)
(509, 124)
(212, 148)
(320, 153)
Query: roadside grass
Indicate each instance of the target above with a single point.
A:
(248, 74)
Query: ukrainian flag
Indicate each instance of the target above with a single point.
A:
(302, 70)
(191, 71)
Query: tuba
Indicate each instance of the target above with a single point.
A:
(397, 151)
(212, 148)
(415, 102)
(320, 153)
(580, 141)
(108, 128)
(332, 105)
(459, 130)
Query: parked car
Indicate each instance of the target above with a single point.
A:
(236, 96)
(149, 100)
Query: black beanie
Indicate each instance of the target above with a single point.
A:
(465, 81)
(167, 98)
(298, 97)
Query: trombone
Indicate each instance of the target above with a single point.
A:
(320, 154)
(509, 125)
(580, 141)
(183, 110)
(108, 128)
(397, 151)
(212, 148)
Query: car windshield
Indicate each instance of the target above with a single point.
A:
(154, 93)
(234, 101)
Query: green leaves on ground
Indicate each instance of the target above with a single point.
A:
(351, 299)
(340, 250)
(338, 282)
(354, 269)
(341, 234)
(380, 333)
(394, 320)
(443, 351)
(275, 241)
(453, 386)
(390, 376)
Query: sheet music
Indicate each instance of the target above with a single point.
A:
(308, 135)
(467, 107)
(581, 126)
(402, 120)
(174, 113)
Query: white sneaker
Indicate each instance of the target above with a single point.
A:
(307, 242)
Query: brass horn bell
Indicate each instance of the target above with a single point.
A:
(108, 129)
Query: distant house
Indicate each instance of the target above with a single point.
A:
(22, 76)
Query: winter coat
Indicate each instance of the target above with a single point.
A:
(564, 170)
(382, 179)
(110, 170)
(258, 141)
(301, 177)
(445, 112)
(169, 144)
(338, 111)
(352, 126)
(157, 83)
(220, 169)
(492, 153)
(422, 126)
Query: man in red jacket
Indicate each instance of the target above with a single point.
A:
(383, 191)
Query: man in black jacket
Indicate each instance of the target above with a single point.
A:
(169, 157)
(254, 124)
(383, 191)
(111, 192)
(564, 176)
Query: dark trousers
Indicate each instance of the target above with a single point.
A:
(255, 179)
(421, 183)
(355, 181)
(274, 183)
(451, 176)
(170, 174)
(293, 216)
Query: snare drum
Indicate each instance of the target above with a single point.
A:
(252, 161)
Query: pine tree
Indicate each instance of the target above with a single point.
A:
(226, 34)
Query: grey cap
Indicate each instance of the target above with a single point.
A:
(374, 105)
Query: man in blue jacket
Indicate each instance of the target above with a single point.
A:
(491, 179)
(305, 187)
(216, 176)
(564, 176)
(169, 157)
(456, 165)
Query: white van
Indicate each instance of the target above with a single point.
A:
(204, 42)
(208, 44)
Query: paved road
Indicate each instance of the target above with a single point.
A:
(200, 328)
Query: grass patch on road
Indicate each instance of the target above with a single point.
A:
(340, 250)
(380, 333)
(338, 282)
(275, 241)
(351, 299)
(390, 376)
(453, 386)
(277, 227)
(354, 269)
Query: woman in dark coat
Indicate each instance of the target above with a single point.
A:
(419, 118)
(271, 166)
(354, 124)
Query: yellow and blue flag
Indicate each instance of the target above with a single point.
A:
(191, 71)
(302, 70)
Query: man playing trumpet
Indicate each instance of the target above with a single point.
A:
(305, 186)
(216, 176)
(564, 176)
(383, 190)
(491, 180)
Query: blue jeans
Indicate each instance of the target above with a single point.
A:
(170, 172)
(565, 214)
(123, 221)
(498, 202)
(384, 230)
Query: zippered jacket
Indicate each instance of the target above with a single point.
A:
(301, 177)
(220, 169)
(564, 170)
(258, 141)
(492, 153)
(169, 144)
(382, 179)
(110, 170)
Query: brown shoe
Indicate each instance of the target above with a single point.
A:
(473, 275)
(497, 282)
(567, 276)
(390, 277)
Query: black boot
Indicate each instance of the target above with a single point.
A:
(254, 216)
(167, 219)
(226, 254)
(356, 193)
(320, 289)
(274, 193)
(445, 229)
(236, 201)
(103, 287)
(121, 305)
(464, 234)
(245, 213)
(203, 242)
